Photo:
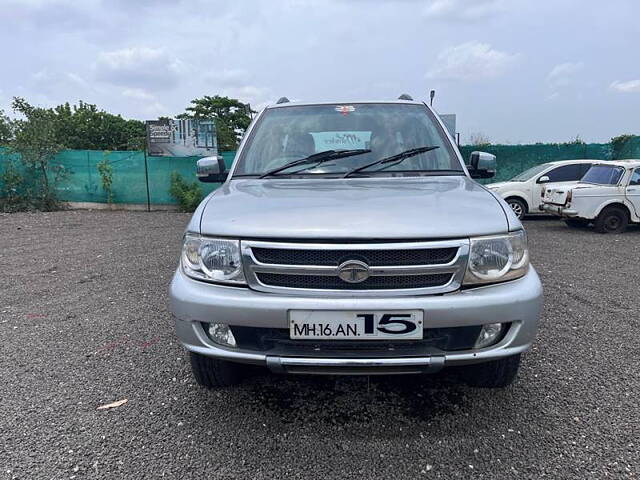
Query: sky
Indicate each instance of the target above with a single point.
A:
(514, 71)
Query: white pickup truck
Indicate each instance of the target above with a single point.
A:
(607, 196)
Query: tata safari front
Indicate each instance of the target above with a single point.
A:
(350, 238)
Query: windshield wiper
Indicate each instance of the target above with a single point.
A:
(318, 158)
(397, 158)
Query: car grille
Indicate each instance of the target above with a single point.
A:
(321, 282)
(424, 256)
(402, 268)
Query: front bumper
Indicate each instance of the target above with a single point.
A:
(517, 302)
(558, 210)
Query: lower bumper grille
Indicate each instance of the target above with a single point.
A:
(276, 341)
(325, 282)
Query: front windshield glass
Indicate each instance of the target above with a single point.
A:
(530, 173)
(286, 134)
(603, 175)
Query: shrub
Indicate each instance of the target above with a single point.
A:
(620, 145)
(106, 174)
(12, 189)
(34, 139)
(188, 195)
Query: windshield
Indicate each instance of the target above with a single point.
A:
(603, 175)
(532, 172)
(286, 134)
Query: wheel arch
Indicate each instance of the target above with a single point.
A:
(617, 204)
(518, 197)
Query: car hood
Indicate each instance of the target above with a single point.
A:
(502, 185)
(358, 208)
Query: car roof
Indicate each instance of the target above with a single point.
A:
(347, 102)
(627, 162)
(575, 160)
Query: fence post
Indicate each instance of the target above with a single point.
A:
(90, 186)
(146, 179)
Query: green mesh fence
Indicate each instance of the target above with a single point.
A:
(513, 159)
(82, 182)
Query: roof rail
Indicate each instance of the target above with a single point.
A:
(282, 100)
(405, 96)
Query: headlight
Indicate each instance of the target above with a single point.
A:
(497, 258)
(212, 259)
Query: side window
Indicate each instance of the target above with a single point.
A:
(635, 178)
(584, 168)
(566, 173)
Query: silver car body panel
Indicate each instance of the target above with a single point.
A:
(437, 207)
(518, 302)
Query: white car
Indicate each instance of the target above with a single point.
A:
(523, 192)
(608, 195)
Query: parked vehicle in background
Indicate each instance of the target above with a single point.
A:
(523, 192)
(350, 238)
(608, 195)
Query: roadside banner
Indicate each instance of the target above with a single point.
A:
(190, 137)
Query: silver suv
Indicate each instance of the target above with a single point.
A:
(350, 238)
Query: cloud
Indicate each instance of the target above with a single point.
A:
(630, 86)
(238, 83)
(562, 75)
(227, 77)
(140, 67)
(146, 102)
(471, 61)
(462, 10)
(137, 94)
(54, 83)
(258, 97)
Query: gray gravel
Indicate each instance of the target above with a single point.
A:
(84, 322)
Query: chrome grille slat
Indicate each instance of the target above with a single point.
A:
(334, 257)
(299, 278)
(381, 282)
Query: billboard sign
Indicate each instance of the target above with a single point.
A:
(190, 137)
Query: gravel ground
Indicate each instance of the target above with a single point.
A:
(84, 322)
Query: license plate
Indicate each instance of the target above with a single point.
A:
(356, 325)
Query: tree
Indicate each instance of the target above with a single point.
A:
(479, 139)
(620, 146)
(85, 127)
(575, 141)
(35, 139)
(232, 117)
(6, 129)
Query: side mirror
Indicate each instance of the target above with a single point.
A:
(543, 179)
(482, 165)
(211, 170)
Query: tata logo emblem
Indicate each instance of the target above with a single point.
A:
(353, 271)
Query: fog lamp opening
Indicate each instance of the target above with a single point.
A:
(489, 334)
(220, 333)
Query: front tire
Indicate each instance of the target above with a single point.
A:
(518, 206)
(612, 220)
(213, 373)
(495, 374)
